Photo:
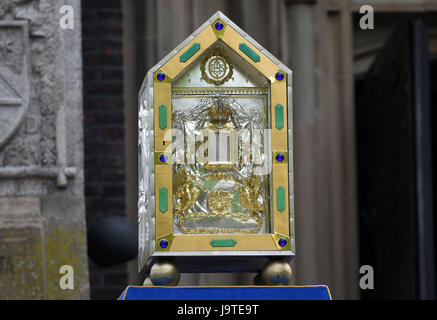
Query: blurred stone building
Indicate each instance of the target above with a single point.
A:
(68, 136)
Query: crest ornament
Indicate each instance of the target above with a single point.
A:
(216, 67)
(220, 201)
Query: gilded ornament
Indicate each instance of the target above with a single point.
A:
(250, 190)
(219, 201)
(188, 195)
(218, 65)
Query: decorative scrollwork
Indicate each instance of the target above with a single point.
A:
(219, 201)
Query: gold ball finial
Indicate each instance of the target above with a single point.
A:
(147, 282)
(276, 273)
(164, 274)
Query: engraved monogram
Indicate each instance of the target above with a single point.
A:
(216, 67)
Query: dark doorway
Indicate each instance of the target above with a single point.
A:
(394, 145)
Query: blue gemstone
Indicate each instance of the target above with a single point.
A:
(163, 157)
(219, 25)
(282, 242)
(160, 76)
(163, 243)
(280, 157)
(279, 76)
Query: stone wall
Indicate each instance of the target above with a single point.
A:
(42, 208)
(104, 129)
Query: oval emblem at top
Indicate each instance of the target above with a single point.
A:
(216, 67)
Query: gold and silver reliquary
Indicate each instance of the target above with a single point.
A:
(215, 155)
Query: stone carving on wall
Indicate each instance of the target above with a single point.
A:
(42, 205)
(14, 77)
(32, 119)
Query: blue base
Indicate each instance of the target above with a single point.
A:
(320, 292)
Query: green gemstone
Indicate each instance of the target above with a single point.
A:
(279, 116)
(191, 51)
(280, 199)
(162, 117)
(249, 52)
(163, 200)
(223, 242)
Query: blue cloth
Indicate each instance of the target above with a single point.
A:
(320, 292)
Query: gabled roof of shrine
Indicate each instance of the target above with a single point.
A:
(206, 36)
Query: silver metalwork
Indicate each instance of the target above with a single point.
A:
(188, 90)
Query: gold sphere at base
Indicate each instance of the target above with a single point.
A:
(164, 274)
(276, 273)
(147, 282)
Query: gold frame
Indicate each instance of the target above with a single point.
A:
(163, 95)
